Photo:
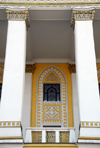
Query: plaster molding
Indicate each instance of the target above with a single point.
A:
(82, 15)
(21, 15)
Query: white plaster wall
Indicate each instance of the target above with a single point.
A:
(26, 108)
(11, 145)
(88, 145)
(75, 105)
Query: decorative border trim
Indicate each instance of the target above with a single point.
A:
(89, 138)
(8, 138)
(90, 124)
(51, 3)
(7, 124)
(40, 85)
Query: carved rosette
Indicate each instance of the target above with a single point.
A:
(18, 15)
(78, 15)
(72, 68)
(29, 68)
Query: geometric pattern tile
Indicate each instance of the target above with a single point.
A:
(64, 137)
(50, 136)
(51, 112)
(36, 136)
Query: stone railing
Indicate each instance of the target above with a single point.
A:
(48, 2)
(50, 135)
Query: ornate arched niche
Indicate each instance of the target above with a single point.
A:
(51, 113)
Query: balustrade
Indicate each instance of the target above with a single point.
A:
(50, 135)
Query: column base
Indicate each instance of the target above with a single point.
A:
(10, 132)
(88, 139)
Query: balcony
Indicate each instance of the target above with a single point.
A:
(50, 135)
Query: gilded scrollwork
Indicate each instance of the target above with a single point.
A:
(18, 15)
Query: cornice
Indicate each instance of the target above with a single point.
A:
(29, 68)
(18, 15)
(50, 2)
(72, 68)
(84, 15)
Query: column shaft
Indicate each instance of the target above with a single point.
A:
(89, 103)
(14, 72)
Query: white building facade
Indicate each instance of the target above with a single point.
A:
(49, 106)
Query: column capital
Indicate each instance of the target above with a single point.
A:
(82, 15)
(72, 68)
(29, 68)
(18, 15)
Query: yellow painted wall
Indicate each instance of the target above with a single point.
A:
(65, 69)
(45, 145)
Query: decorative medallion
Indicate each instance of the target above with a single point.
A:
(51, 77)
(51, 112)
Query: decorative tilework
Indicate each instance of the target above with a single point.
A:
(63, 93)
(86, 124)
(10, 123)
(50, 136)
(36, 137)
(64, 137)
(51, 112)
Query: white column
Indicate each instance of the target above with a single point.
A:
(26, 107)
(87, 84)
(14, 71)
(75, 105)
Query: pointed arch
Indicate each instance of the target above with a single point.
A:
(62, 105)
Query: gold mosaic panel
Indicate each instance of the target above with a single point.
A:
(64, 137)
(50, 136)
(36, 136)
